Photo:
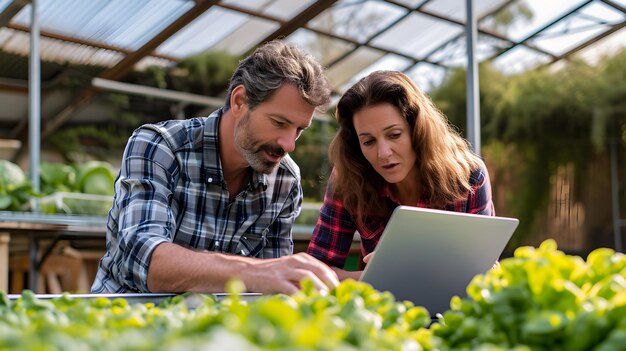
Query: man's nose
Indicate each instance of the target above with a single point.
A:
(287, 141)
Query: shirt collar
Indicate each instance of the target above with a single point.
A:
(386, 192)
(212, 161)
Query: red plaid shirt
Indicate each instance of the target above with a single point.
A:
(335, 226)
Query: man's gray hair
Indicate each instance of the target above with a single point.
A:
(277, 63)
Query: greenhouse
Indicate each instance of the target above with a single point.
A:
(127, 218)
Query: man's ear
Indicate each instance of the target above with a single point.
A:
(238, 101)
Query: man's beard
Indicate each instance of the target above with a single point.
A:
(252, 149)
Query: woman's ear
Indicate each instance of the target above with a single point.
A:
(238, 103)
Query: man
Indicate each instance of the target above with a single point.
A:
(198, 202)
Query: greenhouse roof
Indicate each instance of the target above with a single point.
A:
(107, 39)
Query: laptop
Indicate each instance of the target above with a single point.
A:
(428, 256)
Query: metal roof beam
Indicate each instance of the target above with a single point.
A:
(374, 36)
(589, 42)
(483, 31)
(300, 20)
(11, 10)
(615, 5)
(540, 30)
(328, 34)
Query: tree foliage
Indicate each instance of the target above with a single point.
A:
(551, 117)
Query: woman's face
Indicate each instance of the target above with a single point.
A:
(385, 141)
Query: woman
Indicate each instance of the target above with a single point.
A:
(393, 147)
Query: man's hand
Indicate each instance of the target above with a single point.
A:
(177, 269)
(368, 257)
(283, 275)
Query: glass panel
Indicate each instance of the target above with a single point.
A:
(457, 9)
(454, 53)
(4, 4)
(347, 68)
(127, 24)
(247, 36)
(544, 12)
(607, 46)
(388, 62)
(412, 3)
(578, 28)
(519, 60)
(427, 76)
(283, 9)
(603, 13)
(324, 48)
(417, 35)
(356, 20)
(204, 32)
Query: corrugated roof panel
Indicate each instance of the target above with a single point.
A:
(358, 21)
(58, 51)
(204, 32)
(5, 35)
(283, 9)
(127, 24)
(152, 61)
(410, 37)
(324, 48)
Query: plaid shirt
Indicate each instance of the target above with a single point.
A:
(171, 189)
(334, 231)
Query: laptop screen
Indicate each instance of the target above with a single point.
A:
(428, 256)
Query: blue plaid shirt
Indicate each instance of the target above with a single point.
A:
(171, 189)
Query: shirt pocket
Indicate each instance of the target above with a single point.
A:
(251, 244)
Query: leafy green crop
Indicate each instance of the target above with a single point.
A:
(351, 317)
(541, 299)
(95, 177)
(15, 189)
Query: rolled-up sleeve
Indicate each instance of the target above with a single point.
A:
(480, 200)
(143, 205)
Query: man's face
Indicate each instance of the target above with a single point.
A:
(267, 133)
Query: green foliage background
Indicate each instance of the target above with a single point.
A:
(536, 121)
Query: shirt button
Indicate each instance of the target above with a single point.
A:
(217, 243)
(210, 180)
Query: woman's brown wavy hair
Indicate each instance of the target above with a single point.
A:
(444, 158)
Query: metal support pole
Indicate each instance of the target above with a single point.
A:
(34, 94)
(617, 222)
(473, 103)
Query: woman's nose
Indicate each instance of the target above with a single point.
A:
(384, 151)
